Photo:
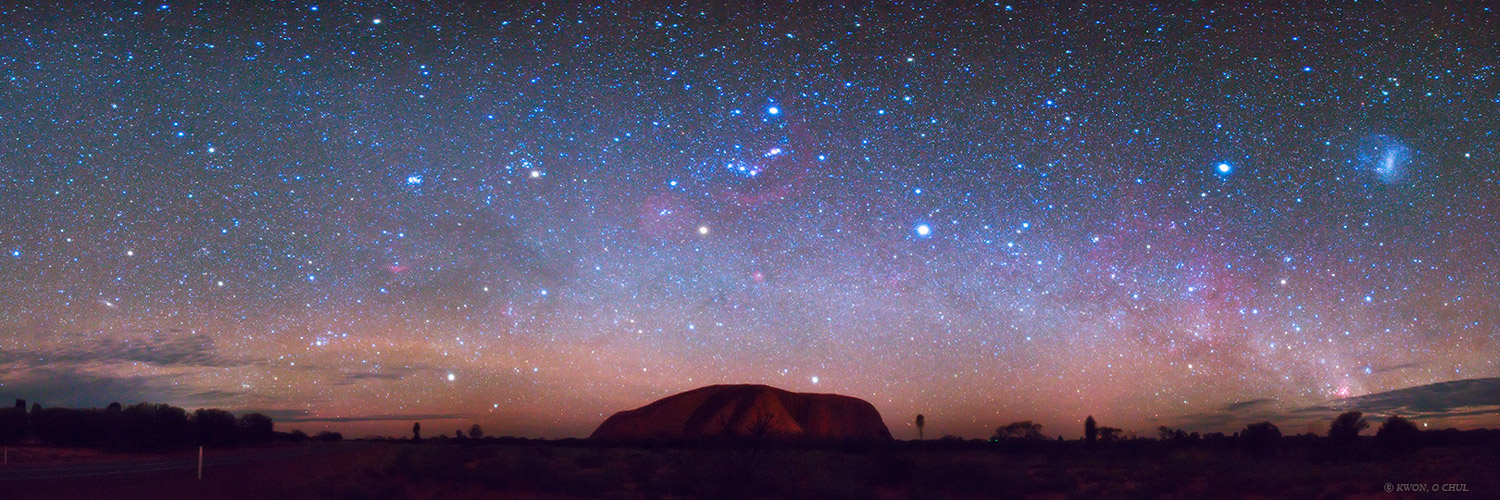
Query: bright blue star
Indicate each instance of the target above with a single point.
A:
(414, 180)
(773, 110)
(1224, 168)
(743, 169)
(922, 230)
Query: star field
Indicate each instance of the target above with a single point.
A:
(529, 217)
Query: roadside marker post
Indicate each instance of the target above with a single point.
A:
(200, 463)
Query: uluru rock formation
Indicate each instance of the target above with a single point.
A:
(747, 410)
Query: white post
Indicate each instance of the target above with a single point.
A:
(200, 462)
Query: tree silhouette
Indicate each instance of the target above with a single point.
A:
(68, 427)
(762, 425)
(755, 427)
(1109, 434)
(1024, 429)
(1346, 427)
(257, 428)
(12, 425)
(476, 432)
(416, 431)
(1260, 438)
(921, 421)
(141, 426)
(1398, 434)
(146, 425)
(1090, 431)
(750, 450)
(1165, 433)
(215, 427)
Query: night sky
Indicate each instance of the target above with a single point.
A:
(529, 217)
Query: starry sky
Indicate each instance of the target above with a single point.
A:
(354, 216)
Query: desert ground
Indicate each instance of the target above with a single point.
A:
(513, 468)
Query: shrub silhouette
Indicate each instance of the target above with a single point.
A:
(416, 431)
(921, 421)
(476, 432)
(329, 436)
(1398, 435)
(1346, 427)
(1090, 431)
(1260, 438)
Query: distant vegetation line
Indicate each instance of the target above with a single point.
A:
(141, 426)
(1396, 435)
